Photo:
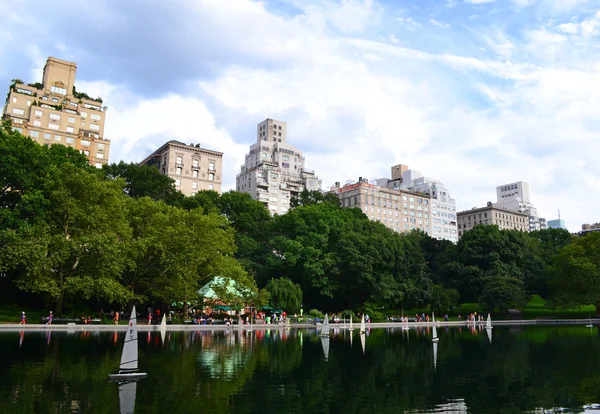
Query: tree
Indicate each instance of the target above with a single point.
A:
(502, 293)
(77, 248)
(145, 181)
(307, 198)
(285, 294)
(443, 300)
(575, 273)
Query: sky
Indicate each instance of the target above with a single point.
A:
(475, 93)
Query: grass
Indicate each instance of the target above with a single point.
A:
(13, 315)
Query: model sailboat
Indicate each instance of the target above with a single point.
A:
(363, 341)
(435, 336)
(325, 327)
(351, 328)
(488, 323)
(128, 368)
(362, 324)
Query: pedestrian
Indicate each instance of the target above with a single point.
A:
(149, 318)
(49, 319)
(117, 318)
(23, 319)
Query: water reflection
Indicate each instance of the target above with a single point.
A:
(256, 370)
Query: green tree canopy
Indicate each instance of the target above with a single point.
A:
(285, 294)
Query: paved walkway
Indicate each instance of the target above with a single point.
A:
(191, 327)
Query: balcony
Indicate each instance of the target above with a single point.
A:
(262, 183)
(308, 171)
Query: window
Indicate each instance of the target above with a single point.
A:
(53, 126)
(34, 134)
(60, 91)
(210, 186)
(71, 120)
(98, 165)
(28, 103)
(37, 123)
(179, 160)
(86, 153)
(70, 130)
(178, 171)
(47, 136)
(55, 117)
(100, 147)
(195, 163)
(95, 127)
(194, 185)
(211, 177)
(55, 100)
(38, 113)
(69, 140)
(85, 143)
(195, 174)
(177, 182)
(14, 100)
(57, 138)
(83, 114)
(19, 130)
(99, 155)
(211, 166)
(95, 117)
(18, 111)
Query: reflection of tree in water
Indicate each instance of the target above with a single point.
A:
(243, 372)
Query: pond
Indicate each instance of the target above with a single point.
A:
(521, 369)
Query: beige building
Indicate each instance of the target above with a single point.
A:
(53, 112)
(193, 168)
(400, 210)
(491, 215)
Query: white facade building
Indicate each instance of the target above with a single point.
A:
(516, 197)
(274, 170)
(443, 206)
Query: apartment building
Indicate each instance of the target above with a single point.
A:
(492, 215)
(192, 167)
(274, 170)
(516, 196)
(543, 223)
(589, 228)
(557, 224)
(399, 210)
(443, 206)
(53, 112)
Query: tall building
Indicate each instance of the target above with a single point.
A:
(492, 215)
(53, 112)
(274, 170)
(400, 210)
(192, 167)
(443, 206)
(516, 197)
(557, 224)
(543, 224)
(589, 228)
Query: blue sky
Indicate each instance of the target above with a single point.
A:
(475, 93)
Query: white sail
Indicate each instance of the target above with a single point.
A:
(325, 327)
(351, 335)
(163, 328)
(351, 328)
(435, 336)
(129, 358)
(435, 345)
(362, 341)
(488, 324)
(362, 324)
(127, 391)
(325, 345)
(489, 334)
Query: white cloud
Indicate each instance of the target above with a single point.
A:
(408, 23)
(436, 23)
(479, 1)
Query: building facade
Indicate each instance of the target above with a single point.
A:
(543, 224)
(492, 215)
(53, 112)
(517, 197)
(274, 170)
(557, 224)
(443, 206)
(399, 210)
(193, 168)
(589, 228)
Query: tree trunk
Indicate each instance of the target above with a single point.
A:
(185, 309)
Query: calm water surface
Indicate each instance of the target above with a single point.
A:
(277, 371)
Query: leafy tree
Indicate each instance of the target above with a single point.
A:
(443, 300)
(575, 273)
(307, 198)
(285, 294)
(502, 293)
(145, 181)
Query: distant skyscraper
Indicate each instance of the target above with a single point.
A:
(53, 112)
(443, 206)
(193, 168)
(274, 170)
(516, 197)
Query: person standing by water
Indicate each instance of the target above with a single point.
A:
(116, 318)
(49, 319)
(23, 318)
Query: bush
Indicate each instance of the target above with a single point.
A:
(347, 314)
(374, 311)
(315, 313)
